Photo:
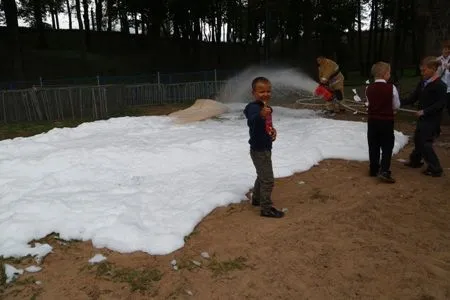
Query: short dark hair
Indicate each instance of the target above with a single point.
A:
(259, 79)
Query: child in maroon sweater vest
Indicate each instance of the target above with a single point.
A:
(383, 100)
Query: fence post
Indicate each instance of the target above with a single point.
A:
(41, 81)
(98, 80)
(159, 78)
(215, 81)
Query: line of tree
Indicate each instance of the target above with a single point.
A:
(287, 23)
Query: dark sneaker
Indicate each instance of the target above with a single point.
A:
(414, 165)
(432, 174)
(271, 212)
(255, 202)
(373, 173)
(386, 177)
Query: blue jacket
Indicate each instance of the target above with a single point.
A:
(260, 140)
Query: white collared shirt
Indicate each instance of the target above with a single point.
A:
(395, 96)
(443, 71)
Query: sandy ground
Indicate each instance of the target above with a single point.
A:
(345, 236)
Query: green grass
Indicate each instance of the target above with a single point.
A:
(188, 237)
(223, 267)
(2, 273)
(26, 129)
(139, 280)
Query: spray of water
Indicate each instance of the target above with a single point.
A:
(287, 84)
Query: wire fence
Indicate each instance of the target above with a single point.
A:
(155, 78)
(98, 101)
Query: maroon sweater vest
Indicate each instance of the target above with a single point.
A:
(379, 95)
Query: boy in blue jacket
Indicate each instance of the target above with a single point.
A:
(262, 134)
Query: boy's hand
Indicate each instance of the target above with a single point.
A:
(265, 111)
(419, 113)
(274, 134)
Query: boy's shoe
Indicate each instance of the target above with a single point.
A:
(432, 174)
(271, 212)
(413, 165)
(255, 202)
(386, 177)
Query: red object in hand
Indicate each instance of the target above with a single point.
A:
(323, 92)
(269, 125)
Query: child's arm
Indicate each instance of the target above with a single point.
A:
(253, 113)
(413, 97)
(395, 98)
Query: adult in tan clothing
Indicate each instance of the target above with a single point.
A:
(331, 76)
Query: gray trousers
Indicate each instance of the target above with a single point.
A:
(262, 191)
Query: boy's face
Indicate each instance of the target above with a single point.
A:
(446, 51)
(427, 72)
(262, 91)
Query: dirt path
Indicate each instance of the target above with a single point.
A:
(345, 236)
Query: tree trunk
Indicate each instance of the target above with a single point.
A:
(267, 31)
(37, 11)
(78, 9)
(10, 8)
(369, 46)
(143, 22)
(92, 19)
(396, 44)
(124, 24)
(383, 29)
(69, 13)
(86, 15)
(52, 14)
(99, 14)
(136, 23)
(57, 19)
(376, 8)
(414, 40)
(360, 49)
(109, 11)
(308, 27)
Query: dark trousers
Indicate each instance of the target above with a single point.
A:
(426, 132)
(262, 191)
(380, 136)
(448, 103)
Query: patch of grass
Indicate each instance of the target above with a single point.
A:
(2, 273)
(30, 128)
(138, 280)
(18, 260)
(35, 295)
(25, 129)
(187, 264)
(26, 281)
(223, 267)
(193, 233)
(317, 195)
(48, 239)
